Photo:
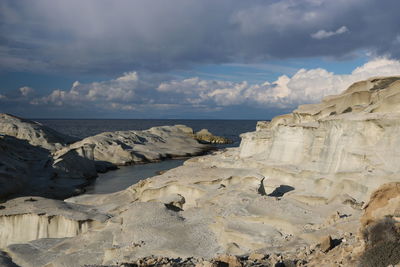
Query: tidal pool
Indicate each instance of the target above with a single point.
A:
(126, 176)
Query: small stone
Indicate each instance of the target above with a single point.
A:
(256, 256)
(151, 261)
(204, 264)
(232, 261)
(326, 243)
(301, 255)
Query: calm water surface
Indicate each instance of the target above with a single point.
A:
(84, 128)
(126, 176)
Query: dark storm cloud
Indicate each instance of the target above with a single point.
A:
(108, 36)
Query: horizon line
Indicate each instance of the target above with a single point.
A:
(146, 119)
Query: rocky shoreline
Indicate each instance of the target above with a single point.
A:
(317, 187)
(54, 165)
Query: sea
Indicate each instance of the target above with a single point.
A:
(126, 176)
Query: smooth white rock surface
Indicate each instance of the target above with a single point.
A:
(303, 176)
(35, 133)
(36, 160)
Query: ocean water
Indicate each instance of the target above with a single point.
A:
(87, 127)
(126, 176)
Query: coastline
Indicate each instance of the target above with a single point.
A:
(299, 189)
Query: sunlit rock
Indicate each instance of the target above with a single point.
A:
(35, 133)
(302, 177)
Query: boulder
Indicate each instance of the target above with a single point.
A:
(380, 227)
(204, 136)
(326, 243)
(228, 260)
(383, 203)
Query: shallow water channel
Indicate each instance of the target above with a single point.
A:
(126, 176)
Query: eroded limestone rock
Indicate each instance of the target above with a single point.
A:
(384, 202)
(130, 147)
(330, 150)
(205, 136)
(36, 166)
(30, 218)
(32, 170)
(299, 178)
(35, 133)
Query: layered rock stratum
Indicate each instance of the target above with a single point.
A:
(294, 192)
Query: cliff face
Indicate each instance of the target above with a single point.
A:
(30, 218)
(302, 177)
(341, 145)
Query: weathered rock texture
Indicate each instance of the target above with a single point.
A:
(384, 202)
(5, 260)
(205, 136)
(339, 146)
(129, 147)
(380, 227)
(35, 133)
(36, 160)
(30, 218)
(302, 177)
(30, 170)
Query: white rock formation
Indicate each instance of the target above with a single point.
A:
(30, 218)
(31, 170)
(36, 160)
(339, 146)
(35, 133)
(129, 147)
(301, 177)
(205, 136)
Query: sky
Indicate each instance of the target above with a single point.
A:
(188, 59)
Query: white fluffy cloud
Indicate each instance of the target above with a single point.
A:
(26, 91)
(118, 90)
(132, 92)
(322, 34)
(305, 86)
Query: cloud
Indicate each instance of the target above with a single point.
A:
(158, 96)
(114, 36)
(121, 89)
(140, 93)
(305, 86)
(128, 77)
(26, 91)
(22, 94)
(322, 34)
